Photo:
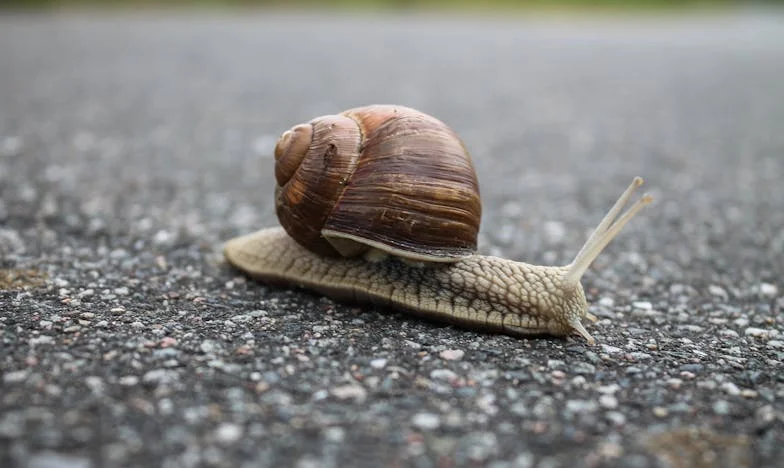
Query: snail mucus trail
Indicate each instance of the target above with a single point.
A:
(475, 291)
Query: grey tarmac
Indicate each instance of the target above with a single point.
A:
(133, 145)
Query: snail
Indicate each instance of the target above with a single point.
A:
(380, 205)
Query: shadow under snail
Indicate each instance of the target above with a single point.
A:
(380, 205)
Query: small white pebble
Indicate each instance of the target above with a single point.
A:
(161, 237)
(118, 254)
(555, 363)
(769, 290)
(412, 344)
(717, 291)
(741, 322)
(166, 406)
(707, 384)
(378, 363)
(426, 421)
(761, 332)
(349, 391)
(638, 356)
(442, 374)
(95, 383)
(228, 433)
(616, 417)
(452, 354)
(160, 376)
(722, 407)
(335, 434)
(748, 393)
(209, 346)
(60, 283)
(643, 305)
(660, 411)
(691, 328)
(610, 349)
(609, 389)
(608, 401)
(129, 380)
(15, 376)
(678, 289)
(607, 302)
(580, 406)
(730, 388)
(43, 339)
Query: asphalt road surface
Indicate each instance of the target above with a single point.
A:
(132, 147)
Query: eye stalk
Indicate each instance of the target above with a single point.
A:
(606, 231)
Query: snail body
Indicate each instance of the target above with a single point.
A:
(411, 242)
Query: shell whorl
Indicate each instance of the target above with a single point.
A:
(290, 150)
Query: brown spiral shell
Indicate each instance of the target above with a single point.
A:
(381, 176)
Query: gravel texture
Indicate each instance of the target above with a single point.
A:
(131, 147)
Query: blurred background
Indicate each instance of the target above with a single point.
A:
(132, 145)
(562, 98)
(489, 5)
